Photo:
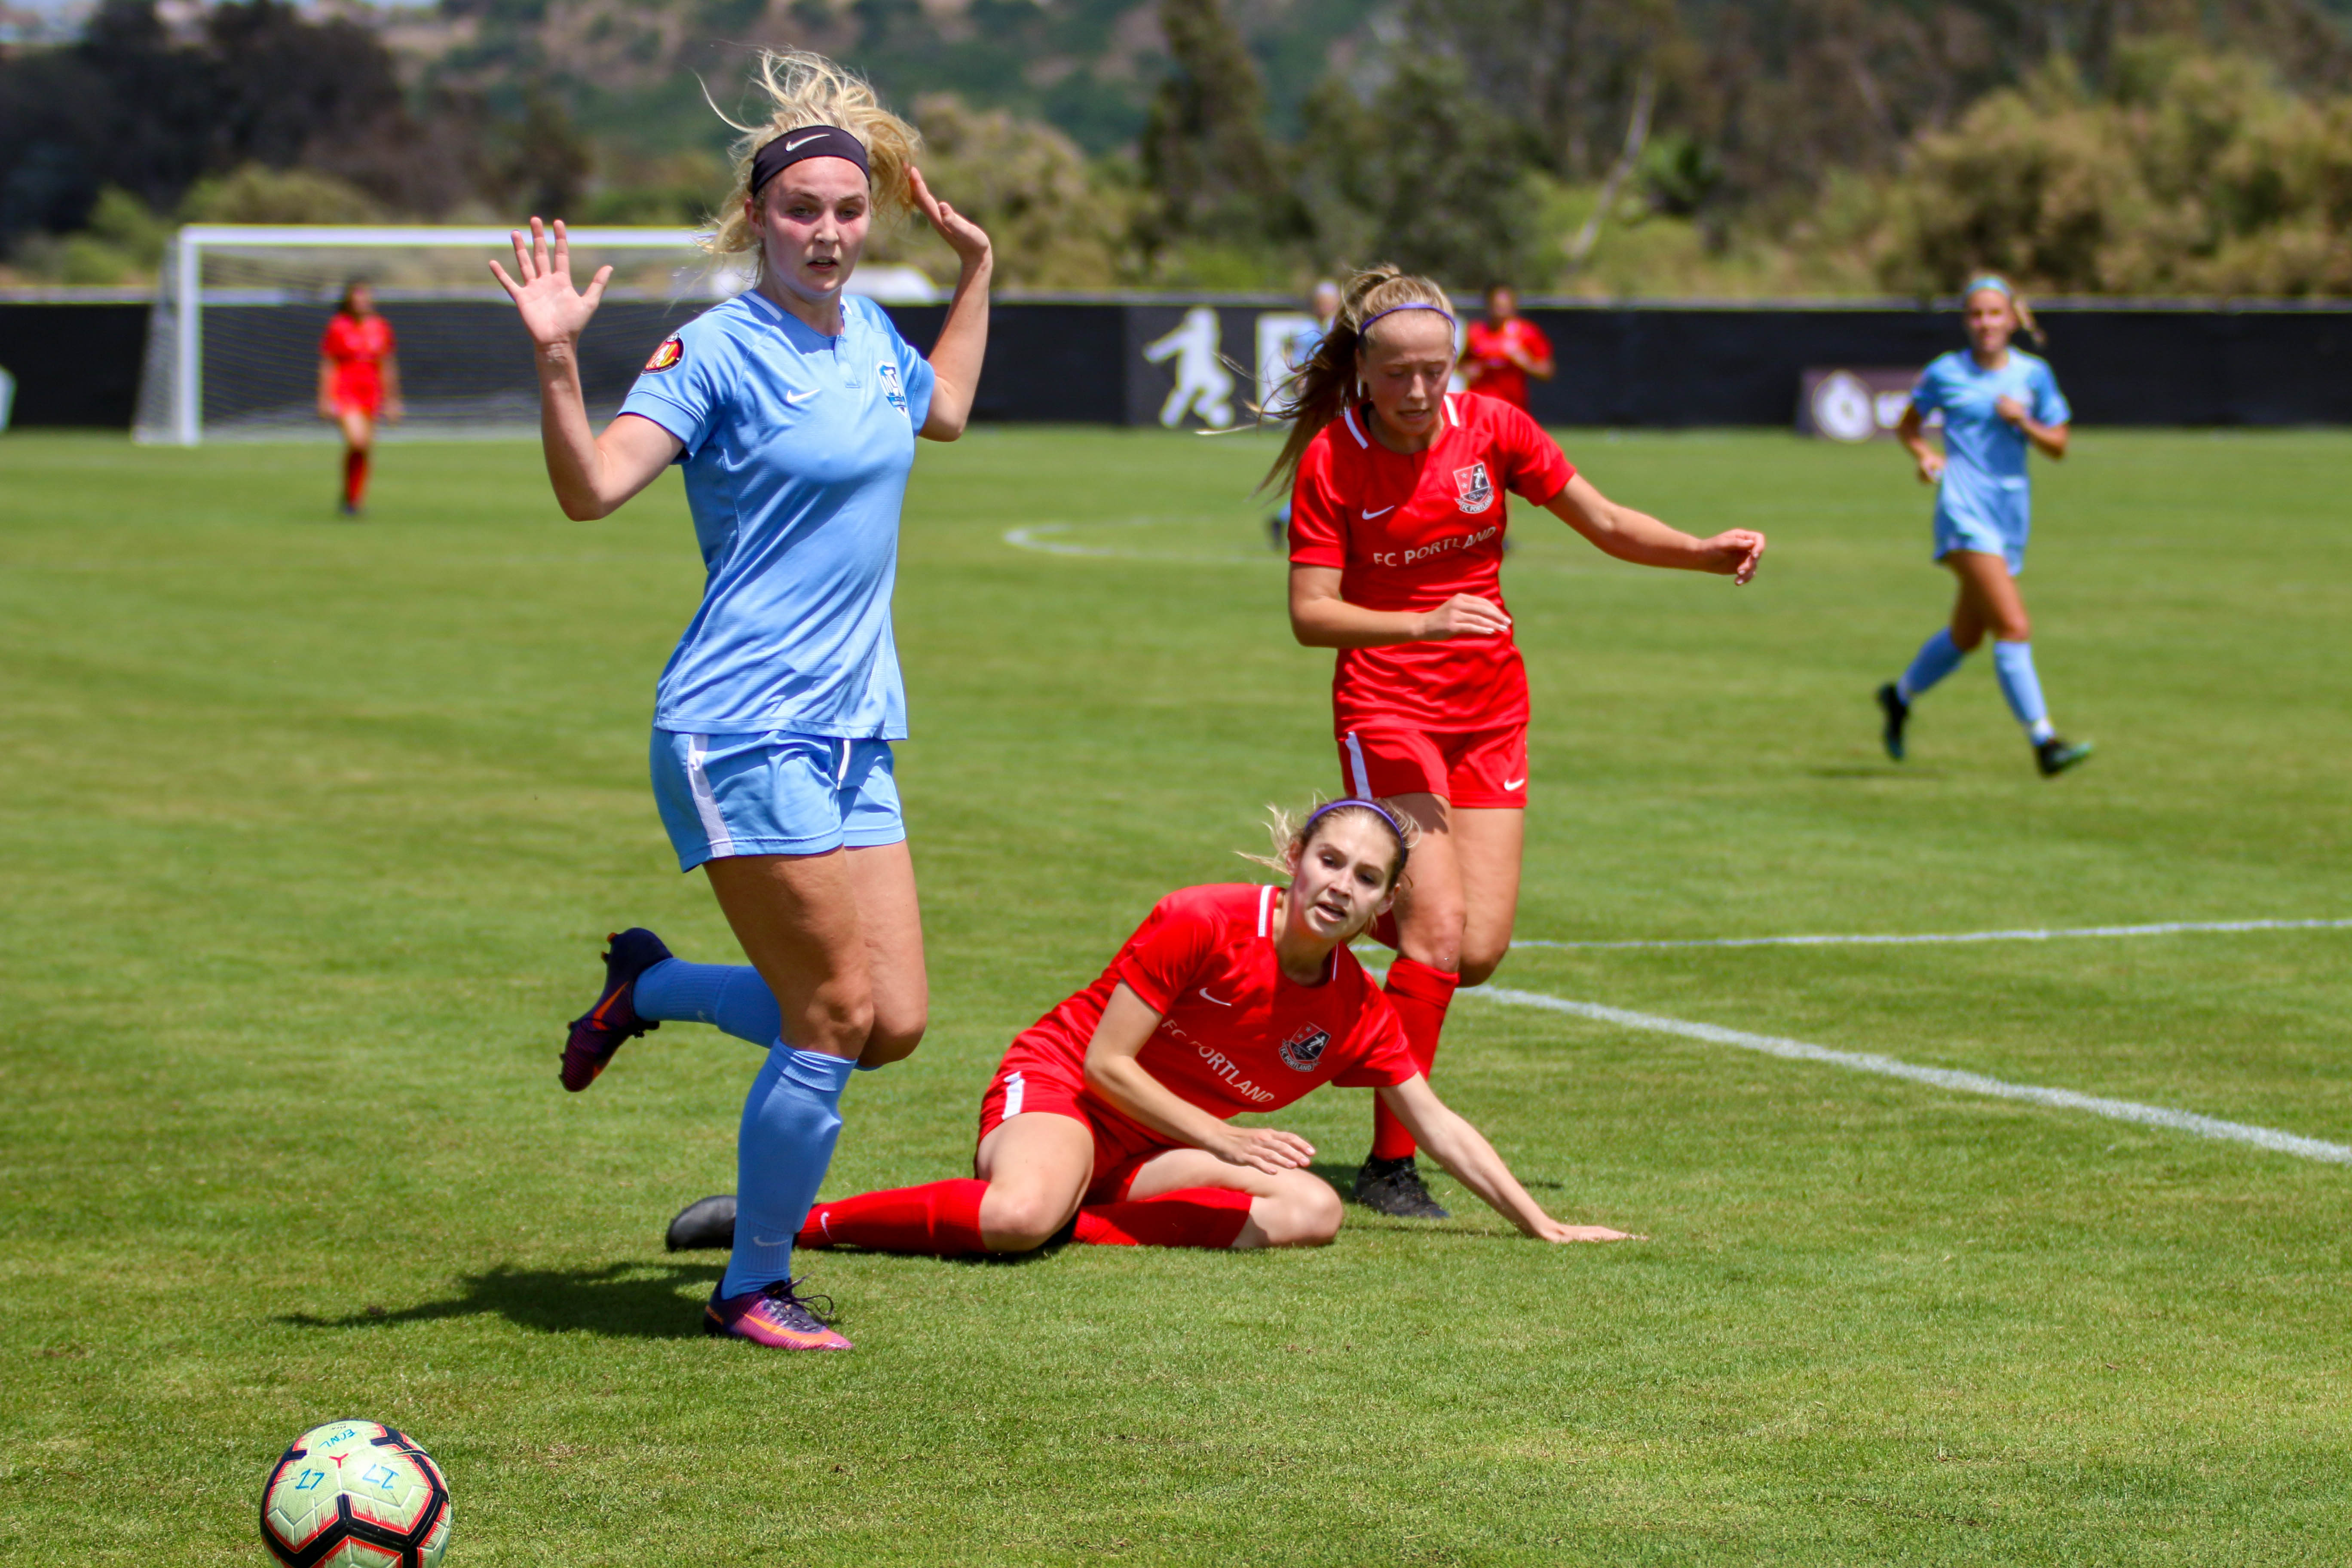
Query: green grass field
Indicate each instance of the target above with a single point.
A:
(308, 834)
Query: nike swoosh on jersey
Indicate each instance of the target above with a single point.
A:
(796, 146)
(1515, 783)
(1383, 513)
(1204, 991)
(794, 399)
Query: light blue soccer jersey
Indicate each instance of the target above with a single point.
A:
(1984, 454)
(796, 452)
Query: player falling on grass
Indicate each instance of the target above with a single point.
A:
(1997, 402)
(1396, 542)
(359, 381)
(1111, 1116)
(794, 411)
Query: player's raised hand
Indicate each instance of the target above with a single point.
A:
(1464, 615)
(553, 312)
(1931, 467)
(1268, 1149)
(1737, 552)
(965, 237)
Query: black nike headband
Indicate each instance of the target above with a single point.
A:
(808, 141)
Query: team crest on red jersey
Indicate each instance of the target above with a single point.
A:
(669, 353)
(1305, 1048)
(1473, 490)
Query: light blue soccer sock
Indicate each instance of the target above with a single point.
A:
(790, 1119)
(1936, 658)
(2014, 663)
(729, 996)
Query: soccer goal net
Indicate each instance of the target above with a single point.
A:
(233, 341)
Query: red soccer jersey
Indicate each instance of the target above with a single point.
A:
(1490, 370)
(358, 345)
(1235, 1033)
(1408, 531)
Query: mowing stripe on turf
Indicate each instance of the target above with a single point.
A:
(2170, 928)
(2269, 1138)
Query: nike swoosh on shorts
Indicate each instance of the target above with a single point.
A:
(1383, 513)
(1515, 783)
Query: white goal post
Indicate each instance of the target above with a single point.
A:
(233, 337)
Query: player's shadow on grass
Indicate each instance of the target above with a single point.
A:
(1877, 771)
(629, 1300)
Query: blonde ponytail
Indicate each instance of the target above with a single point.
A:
(805, 90)
(1320, 391)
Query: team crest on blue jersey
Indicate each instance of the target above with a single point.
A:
(669, 353)
(1472, 488)
(1305, 1048)
(895, 393)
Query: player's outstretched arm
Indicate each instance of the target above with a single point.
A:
(963, 336)
(1638, 537)
(1113, 1072)
(1469, 1159)
(592, 474)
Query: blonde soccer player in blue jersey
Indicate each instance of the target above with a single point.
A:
(793, 410)
(1997, 402)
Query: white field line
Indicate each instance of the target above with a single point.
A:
(1036, 536)
(2171, 928)
(2268, 1138)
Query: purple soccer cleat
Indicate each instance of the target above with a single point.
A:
(776, 1316)
(598, 1032)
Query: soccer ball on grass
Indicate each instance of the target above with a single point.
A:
(355, 1494)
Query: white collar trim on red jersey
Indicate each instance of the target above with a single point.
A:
(1348, 414)
(1264, 910)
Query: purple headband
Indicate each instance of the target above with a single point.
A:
(1392, 309)
(808, 141)
(1306, 828)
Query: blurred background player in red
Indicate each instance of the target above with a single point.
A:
(1500, 352)
(359, 380)
(1396, 544)
(1110, 1117)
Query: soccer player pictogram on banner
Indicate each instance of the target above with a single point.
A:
(1398, 511)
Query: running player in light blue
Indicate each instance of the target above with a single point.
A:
(1298, 353)
(1997, 401)
(794, 411)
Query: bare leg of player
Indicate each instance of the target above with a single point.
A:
(1296, 1208)
(1037, 1166)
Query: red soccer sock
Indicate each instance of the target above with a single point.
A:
(1420, 996)
(1210, 1217)
(355, 477)
(942, 1217)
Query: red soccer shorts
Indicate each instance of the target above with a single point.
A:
(1040, 1078)
(359, 390)
(1477, 769)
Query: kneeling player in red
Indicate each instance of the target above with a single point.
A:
(1114, 1110)
(1397, 518)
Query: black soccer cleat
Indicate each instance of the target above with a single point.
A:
(598, 1032)
(705, 1225)
(1395, 1187)
(2054, 756)
(1899, 713)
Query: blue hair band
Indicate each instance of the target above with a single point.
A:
(1998, 286)
(1392, 309)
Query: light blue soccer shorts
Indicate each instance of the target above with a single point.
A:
(1998, 525)
(774, 794)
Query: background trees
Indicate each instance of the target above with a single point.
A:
(1604, 146)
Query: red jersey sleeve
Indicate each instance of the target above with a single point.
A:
(1534, 468)
(1378, 1055)
(1532, 341)
(334, 343)
(1318, 533)
(1161, 959)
